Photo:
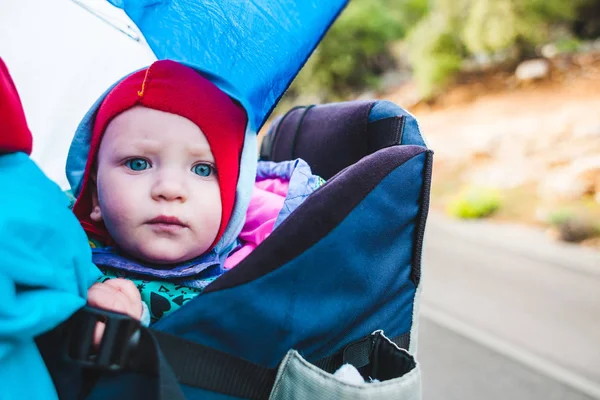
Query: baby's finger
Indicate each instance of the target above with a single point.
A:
(98, 332)
(127, 287)
(109, 298)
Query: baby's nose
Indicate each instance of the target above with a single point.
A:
(169, 188)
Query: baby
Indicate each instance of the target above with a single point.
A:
(157, 191)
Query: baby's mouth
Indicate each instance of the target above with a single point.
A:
(167, 223)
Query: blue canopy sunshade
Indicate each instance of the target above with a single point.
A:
(252, 49)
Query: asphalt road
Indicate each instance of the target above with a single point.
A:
(456, 368)
(507, 313)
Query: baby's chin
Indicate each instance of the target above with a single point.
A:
(164, 255)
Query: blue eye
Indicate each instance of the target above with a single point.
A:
(137, 164)
(203, 169)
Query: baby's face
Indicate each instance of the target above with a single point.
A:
(157, 186)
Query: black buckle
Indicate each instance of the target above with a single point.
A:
(121, 337)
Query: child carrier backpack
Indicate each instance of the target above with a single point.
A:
(337, 282)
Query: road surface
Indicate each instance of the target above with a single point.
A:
(507, 313)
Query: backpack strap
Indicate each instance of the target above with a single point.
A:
(204, 367)
(174, 360)
(200, 366)
(155, 361)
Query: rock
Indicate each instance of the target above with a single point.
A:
(587, 131)
(576, 230)
(532, 70)
(576, 180)
(550, 50)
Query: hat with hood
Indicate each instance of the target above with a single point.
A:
(171, 87)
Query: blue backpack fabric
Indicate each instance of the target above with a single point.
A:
(343, 268)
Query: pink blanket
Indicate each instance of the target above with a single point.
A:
(266, 203)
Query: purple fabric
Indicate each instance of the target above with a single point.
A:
(206, 265)
(302, 182)
(328, 137)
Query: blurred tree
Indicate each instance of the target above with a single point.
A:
(435, 50)
(355, 50)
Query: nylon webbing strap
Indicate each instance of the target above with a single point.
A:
(203, 367)
(168, 386)
(200, 366)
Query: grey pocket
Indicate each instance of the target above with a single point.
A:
(398, 373)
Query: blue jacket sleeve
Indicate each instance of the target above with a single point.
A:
(45, 268)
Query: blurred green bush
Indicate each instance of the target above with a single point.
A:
(560, 216)
(474, 202)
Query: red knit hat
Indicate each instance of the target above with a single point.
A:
(174, 88)
(14, 133)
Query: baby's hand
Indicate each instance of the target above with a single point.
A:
(119, 295)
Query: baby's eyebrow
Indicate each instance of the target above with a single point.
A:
(145, 146)
(201, 152)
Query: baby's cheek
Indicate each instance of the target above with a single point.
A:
(120, 205)
(119, 221)
(209, 227)
(211, 213)
(214, 201)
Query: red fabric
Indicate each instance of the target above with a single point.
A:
(14, 133)
(172, 87)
